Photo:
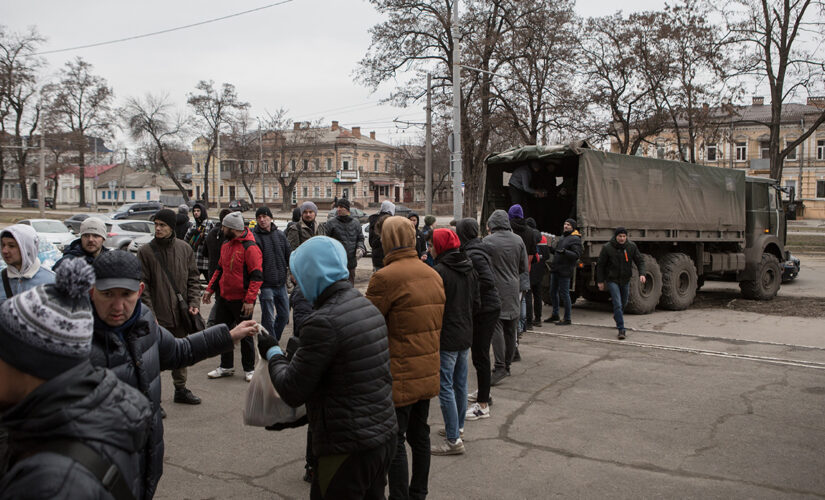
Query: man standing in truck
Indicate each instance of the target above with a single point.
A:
(521, 186)
(615, 268)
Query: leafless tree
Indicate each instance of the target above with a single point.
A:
(213, 108)
(152, 121)
(782, 44)
(242, 149)
(411, 159)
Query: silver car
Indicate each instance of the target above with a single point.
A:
(123, 232)
(52, 231)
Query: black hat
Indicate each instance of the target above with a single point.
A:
(343, 202)
(620, 230)
(263, 211)
(117, 269)
(572, 222)
(166, 216)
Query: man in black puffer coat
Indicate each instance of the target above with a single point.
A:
(566, 253)
(614, 270)
(341, 372)
(348, 232)
(484, 321)
(128, 340)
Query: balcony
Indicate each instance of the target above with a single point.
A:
(347, 176)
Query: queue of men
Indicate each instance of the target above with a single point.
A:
(365, 365)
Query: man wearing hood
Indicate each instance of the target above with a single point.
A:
(296, 216)
(410, 295)
(348, 232)
(182, 222)
(614, 270)
(23, 270)
(163, 258)
(420, 239)
(485, 319)
(341, 371)
(508, 260)
(57, 407)
(305, 228)
(462, 301)
(566, 253)
(196, 237)
(376, 220)
(90, 244)
(530, 237)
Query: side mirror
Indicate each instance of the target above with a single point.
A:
(131, 210)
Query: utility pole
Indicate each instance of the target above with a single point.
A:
(458, 202)
(41, 190)
(428, 152)
(261, 161)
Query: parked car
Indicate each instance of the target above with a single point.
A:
(790, 268)
(239, 205)
(138, 242)
(34, 203)
(365, 230)
(142, 210)
(47, 254)
(355, 213)
(122, 232)
(52, 231)
(73, 223)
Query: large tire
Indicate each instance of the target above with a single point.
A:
(643, 298)
(767, 282)
(679, 281)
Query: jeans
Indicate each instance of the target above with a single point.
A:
(229, 313)
(483, 326)
(522, 319)
(504, 342)
(560, 290)
(533, 304)
(453, 392)
(356, 475)
(274, 298)
(412, 426)
(619, 295)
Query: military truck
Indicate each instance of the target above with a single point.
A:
(692, 223)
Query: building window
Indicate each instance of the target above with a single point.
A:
(266, 166)
(345, 165)
(317, 192)
(148, 196)
(274, 165)
(133, 195)
(275, 192)
(741, 151)
(292, 165)
(221, 191)
(305, 191)
(375, 166)
(329, 192)
(317, 163)
(710, 152)
(792, 153)
(764, 149)
(791, 187)
(387, 166)
(820, 149)
(198, 167)
(820, 189)
(306, 165)
(329, 164)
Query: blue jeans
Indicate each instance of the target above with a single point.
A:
(522, 319)
(274, 299)
(618, 294)
(560, 289)
(453, 393)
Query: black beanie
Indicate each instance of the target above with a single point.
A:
(343, 202)
(620, 230)
(263, 211)
(166, 216)
(572, 222)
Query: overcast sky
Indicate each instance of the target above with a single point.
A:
(300, 55)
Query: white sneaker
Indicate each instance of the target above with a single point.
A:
(476, 412)
(248, 376)
(448, 448)
(472, 397)
(443, 433)
(221, 372)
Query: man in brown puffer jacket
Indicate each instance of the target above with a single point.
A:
(410, 295)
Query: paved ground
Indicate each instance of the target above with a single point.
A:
(701, 403)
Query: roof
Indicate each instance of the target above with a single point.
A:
(139, 179)
(334, 134)
(760, 113)
(523, 154)
(92, 171)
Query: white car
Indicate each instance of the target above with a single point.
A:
(52, 231)
(365, 229)
(138, 242)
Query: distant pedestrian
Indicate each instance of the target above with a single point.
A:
(538, 269)
(614, 271)
(375, 221)
(196, 237)
(296, 216)
(182, 222)
(410, 295)
(305, 228)
(462, 302)
(566, 252)
(212, 252)
(23, 270)
(530, 236)
(90, 244)
(275, 253)
(348, 232)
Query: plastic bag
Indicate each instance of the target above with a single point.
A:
(263, 404)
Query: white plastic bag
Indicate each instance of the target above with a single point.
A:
(263, 404)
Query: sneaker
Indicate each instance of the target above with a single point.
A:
(221, 372)
(564, 322)
(448, 448)
(622, 334)
(185, 396)
(498, 376)
(248, 376)
(476, 412)
(552, 319)
(443, 433)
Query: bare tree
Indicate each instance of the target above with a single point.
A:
(782, 41)
(20, 98)
(213, 109)
(411, 159)
(152, 121)
(243, 149)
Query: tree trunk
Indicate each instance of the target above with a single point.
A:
(82, 173)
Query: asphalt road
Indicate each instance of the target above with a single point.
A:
(704, 403)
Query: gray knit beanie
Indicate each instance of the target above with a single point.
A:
(47, 330)
(234, 221)
(308, 205)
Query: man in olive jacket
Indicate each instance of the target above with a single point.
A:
(615, 268)
(168, 253)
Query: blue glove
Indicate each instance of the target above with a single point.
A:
(268, 346)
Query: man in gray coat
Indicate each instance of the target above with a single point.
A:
(508, 260)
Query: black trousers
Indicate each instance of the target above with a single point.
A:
(533, 298)
(229, 312)
(362, 474)
(412, 427)
(483, 326)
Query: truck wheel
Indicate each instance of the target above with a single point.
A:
(767, 282)
(679, 281)
(643, 298)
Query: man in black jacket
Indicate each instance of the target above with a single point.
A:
(342, 373)
(615, 268)
(182, 222)
(128, 340)
(484, 320)
(566, 253)
(387, 210)
(275, 251)
(461, 289)
(89, 245)
(348, 232)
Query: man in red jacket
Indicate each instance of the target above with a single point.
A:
(239, 276)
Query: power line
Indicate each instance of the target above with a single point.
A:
(161, 32)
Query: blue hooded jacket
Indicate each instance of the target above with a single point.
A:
(317, 263)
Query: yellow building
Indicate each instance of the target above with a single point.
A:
(737, 138)
(325, 163)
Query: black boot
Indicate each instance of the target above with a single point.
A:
(185, 396)
(622, 334)
(552, 319)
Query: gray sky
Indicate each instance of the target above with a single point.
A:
(299, 56)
